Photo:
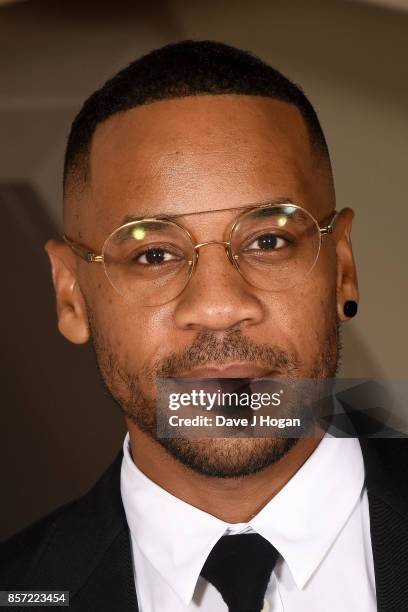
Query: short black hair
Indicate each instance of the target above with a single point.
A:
(186, 68)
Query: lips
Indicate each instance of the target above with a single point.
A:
(238, 370)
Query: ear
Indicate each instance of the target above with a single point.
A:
(347, 285)
(71, 308)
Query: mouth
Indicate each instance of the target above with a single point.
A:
(234, 370)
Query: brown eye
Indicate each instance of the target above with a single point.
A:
(154, 256)
(267, 242)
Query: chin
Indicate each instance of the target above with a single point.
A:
(227, 457)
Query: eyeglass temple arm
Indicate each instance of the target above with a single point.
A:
(82, 251)
(328, 229)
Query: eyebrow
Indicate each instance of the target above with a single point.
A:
(274, 201)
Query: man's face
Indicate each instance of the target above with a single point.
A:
(204, 154)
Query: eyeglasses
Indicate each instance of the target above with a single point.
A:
(273, 246)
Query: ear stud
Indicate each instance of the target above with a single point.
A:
(350, 308)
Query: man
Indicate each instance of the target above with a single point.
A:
(194, 152)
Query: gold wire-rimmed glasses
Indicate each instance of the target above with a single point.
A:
(273, 246)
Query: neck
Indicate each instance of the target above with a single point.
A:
(233, 500)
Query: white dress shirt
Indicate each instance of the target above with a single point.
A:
(319, 522)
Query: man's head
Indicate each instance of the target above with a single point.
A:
(200, 127)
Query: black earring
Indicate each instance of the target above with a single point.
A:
(350, 308)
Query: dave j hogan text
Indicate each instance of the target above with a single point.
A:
(222, 421)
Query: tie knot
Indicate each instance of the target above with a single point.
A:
(240, 566)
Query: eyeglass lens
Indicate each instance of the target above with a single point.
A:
(273, 248)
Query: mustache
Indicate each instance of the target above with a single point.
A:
(234, 346)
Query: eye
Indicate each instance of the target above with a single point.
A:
(154, 256)
(267, 242)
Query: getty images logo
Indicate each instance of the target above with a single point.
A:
(207, 401)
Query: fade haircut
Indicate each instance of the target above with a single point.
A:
(187, 68)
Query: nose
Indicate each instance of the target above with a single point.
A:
(217, 297)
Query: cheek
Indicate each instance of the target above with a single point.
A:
(320, 313)
(135, 335)
(313, 317)
(304, 316)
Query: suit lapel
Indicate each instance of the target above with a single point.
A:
(385, 465)
(89, 552)
(111, 585)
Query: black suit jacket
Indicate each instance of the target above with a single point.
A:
(84, 547)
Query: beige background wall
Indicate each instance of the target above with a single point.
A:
(352, 61)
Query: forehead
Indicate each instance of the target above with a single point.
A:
(199, 153)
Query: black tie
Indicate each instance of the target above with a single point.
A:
(240, 566)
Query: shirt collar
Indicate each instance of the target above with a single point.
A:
(301, 521)
(305, 517)
(174, 536)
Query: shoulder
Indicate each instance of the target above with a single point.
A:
(61, 547)
(21, 551)
(389, 454)
(386, 466)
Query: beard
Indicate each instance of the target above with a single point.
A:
(214, 457)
